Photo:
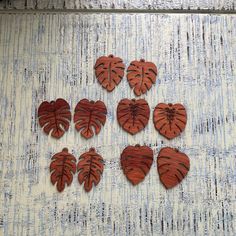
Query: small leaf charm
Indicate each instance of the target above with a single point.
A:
(136, 162)
(170, 120)
(133, 115)
(89, 117)
(62, 167)
(172, 166)
(54, 116)
(90, 168)
(109, 71)
(141, 76)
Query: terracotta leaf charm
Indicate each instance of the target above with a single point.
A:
(109, 71)
(133, 115)
(172, 166)
(54, 116)
(90, 168)
(136, 162)
(141, 75)
(170, 120)
(63, 166)
(89, 116)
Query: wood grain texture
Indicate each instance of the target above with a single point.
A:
(119, 4)
(44, 57)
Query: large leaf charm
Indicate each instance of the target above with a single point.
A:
(133, 115)
(89, 116)
(109, 71)
(173, 166)
(54, 117)
(136, 162)
(141, 75)
(63, 165)
(90, 169)
(170, 120)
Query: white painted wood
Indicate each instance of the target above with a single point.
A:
(49, 56)
(120, 4)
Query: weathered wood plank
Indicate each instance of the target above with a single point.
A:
(119, 4)
(53, 56)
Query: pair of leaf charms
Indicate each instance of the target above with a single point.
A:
(141, 75)
(89, 116)
(55, 117)
(63, 166)
(172, 165)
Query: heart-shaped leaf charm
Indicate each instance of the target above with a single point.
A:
(133, 115)
(141, 76)
(109, 71)
(170, 120)
(136, 162)
(172, 166)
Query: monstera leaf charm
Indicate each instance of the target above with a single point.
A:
(172, 166)
(170, 120)
(141, 76)
(109, 71)
(133, 115)
(54, 117)
(136, 162)
(89, 117)
(90, 169)
(63, 166)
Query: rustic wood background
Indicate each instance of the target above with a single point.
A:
(46, 55)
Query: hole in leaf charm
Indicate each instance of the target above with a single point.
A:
(54, 117)
(109, 71)
(133, 115)
(141, 76)
(89, 116)
(90, 168)
(62, 168)
(136, 162)
(170, 120)
(172, 166)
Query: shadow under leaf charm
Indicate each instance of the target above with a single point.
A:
(90, 168)
(133, 115)
(89, 116)
(109, 71)
(141, 75)
(54, 116)
(136, 162)
(172, 166)
(63, 165)
(170, 120)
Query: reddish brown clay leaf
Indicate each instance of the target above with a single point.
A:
(133, 115)
(54, 117)
(109, 71)
(89, 116)
(90, 168)
(170, 120)
(136, 162)
(172, 166)
(63, 166)
(141, 75)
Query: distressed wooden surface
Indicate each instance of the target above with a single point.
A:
(44, 57)
(119, 4)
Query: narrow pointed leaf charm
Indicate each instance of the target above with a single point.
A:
(90, 168)
(109, 71)
(54, 117)
(133, 115)
(141, 76)
(136, 162)
(170, 120)
(172, 166)
(62, 168)
(89, 117)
